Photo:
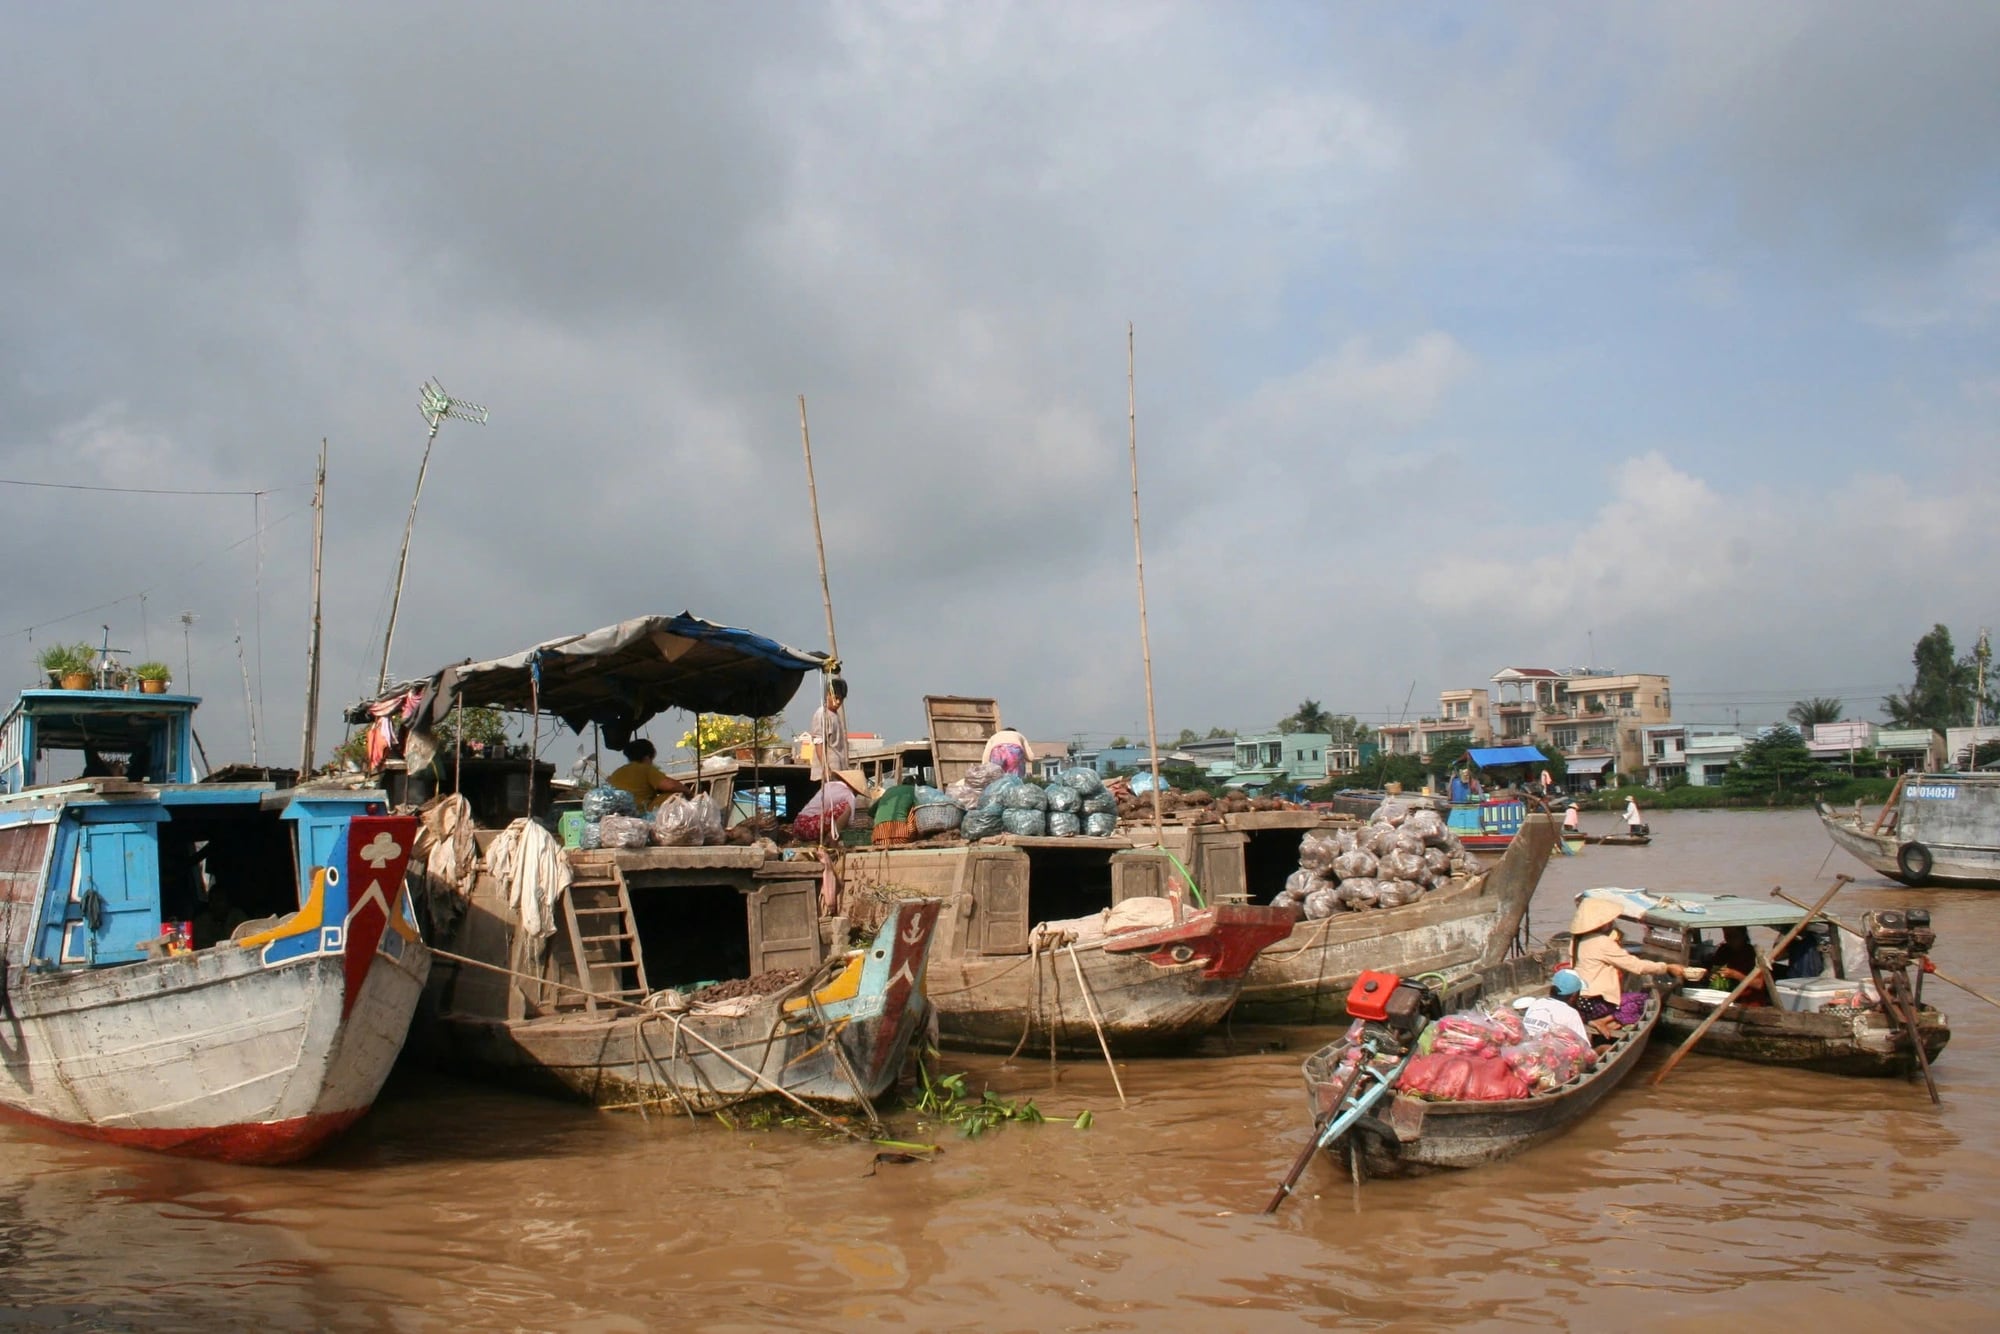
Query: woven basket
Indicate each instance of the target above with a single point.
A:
(937, 818)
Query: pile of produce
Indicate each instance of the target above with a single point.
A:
(1196, 807)
(994, 802)
(1476, 1055)
(1393, 860)
(761, 985)
(611, 820)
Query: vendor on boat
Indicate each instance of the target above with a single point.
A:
(1011, 751)
(1735, 959)
(642, 778)
(1600, 958)
(828, 731)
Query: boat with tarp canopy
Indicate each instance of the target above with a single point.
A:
(1831, 1020)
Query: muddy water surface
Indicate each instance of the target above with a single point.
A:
(1730, 1193)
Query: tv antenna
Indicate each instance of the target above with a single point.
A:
(188, 619)
(436, 406)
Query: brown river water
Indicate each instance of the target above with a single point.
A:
(1729, 1193)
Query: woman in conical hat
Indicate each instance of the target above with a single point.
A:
(1599, 956)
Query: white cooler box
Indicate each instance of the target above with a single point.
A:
(1813, 994)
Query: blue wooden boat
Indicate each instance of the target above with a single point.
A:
(1489, 825)
(221, 970)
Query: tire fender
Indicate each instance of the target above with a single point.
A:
(1914, 861)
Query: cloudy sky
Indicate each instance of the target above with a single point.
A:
(1659, 338)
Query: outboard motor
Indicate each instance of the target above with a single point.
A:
(1399, 1005)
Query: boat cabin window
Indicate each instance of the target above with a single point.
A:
(1269, 858)
(1666, 942)
(690, 934)
(222, 866)
(103, 745)
(23, 849)
(1067, 882)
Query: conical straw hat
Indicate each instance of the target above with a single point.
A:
(1592, 914)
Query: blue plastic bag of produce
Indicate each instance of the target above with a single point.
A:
(1024, 797)
(994, 797)
(1085, 781)
(1065, 824)
(980, 823)
(1026, 823)
(1099, 825)
(1063, 797)
(602, 801)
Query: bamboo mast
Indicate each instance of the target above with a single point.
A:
(819, 542)
(312, 649)
(1139, 560)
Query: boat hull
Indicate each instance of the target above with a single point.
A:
(1148, 992)
(214, 1054)
(840, 1040)
(1969, 868)
(1860, 1045)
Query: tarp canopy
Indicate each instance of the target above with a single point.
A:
(1587, 764)
(1491, 756)
(1696, 910)
(622, 675)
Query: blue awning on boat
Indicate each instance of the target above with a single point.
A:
(1491, 756)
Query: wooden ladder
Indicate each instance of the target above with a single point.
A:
(604, 938)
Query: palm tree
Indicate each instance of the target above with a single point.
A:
(1308, 717)
(1818, 709)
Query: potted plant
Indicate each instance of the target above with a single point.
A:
(154, 677)
(69, 665)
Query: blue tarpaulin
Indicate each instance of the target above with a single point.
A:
(1486, 759)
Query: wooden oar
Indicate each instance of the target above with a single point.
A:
(1839, 882)
(1300, 1163)
(1930, 968)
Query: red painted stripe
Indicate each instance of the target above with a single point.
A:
(249, 1142)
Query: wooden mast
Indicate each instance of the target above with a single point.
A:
(312, 643)
(819, 542)
(1139, 559)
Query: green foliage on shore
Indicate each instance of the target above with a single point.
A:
(1837, 790)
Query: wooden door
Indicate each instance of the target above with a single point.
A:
(784, 926)
(997, 881)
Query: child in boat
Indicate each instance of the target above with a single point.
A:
(1599, 956)
(1539, 1014)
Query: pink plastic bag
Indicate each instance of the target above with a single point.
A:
(833, 804)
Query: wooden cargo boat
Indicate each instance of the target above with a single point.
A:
(215, 970)
(602, 999)
(1935, 829)
(837, 1036)
(1846, 1039)
(1405, 1136)
(1305, 977)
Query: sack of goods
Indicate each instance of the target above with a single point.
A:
(980, 822)
(623, 831)
(1025, 822)
(602, 801)
(1387, 864)
(1476, 1056)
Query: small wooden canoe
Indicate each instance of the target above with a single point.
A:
(1410, 1137)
